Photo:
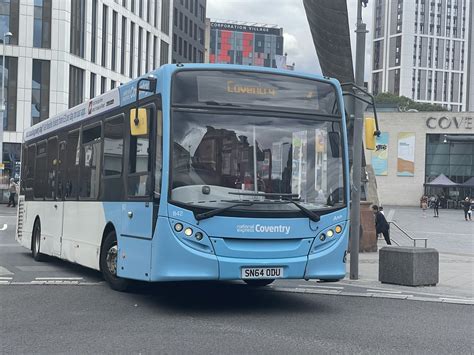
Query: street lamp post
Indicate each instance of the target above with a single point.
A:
(2, 105)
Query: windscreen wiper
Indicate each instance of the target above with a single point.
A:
(216, 211)
(285, 197)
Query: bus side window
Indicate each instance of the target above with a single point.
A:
(28, 174)
(91, 159)
(139, 163)
(72, 165)
(52, 168)
(41, 171)
(61, 178)
(112, 182)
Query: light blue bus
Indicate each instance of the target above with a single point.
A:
(194, 172)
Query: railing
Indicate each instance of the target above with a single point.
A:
(414, 240)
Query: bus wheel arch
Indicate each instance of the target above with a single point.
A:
(108, 259)
(36, 241)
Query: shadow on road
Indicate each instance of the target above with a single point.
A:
(223, 297)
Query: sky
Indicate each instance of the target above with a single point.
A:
(290, 15)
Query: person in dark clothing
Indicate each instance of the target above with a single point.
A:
(436, 206)
(381, 224)
(466, 206)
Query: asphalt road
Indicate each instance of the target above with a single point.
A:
(58, 307)
(223, 318)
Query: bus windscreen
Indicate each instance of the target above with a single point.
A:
(252, 89)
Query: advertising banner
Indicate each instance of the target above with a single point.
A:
(406, 154)
(380, 155)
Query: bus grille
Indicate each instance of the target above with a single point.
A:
(20, 217)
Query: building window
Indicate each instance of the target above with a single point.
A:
(175, 43)
(122, 49)
(94, 31)
(42, 24)
(147, 51)
(140, 8)
(92, 86)
(165, 16)
(139, 59)
(40, 91)
(9, 16)
(113, 84)
(132, 6)
(148, 10)
(103, 84)
(164, 53)
(78, 18)
(10, 93)
(104, 35)
(180, 46)
(114, 40)
(155, 44)
(76, 86)
(132, 44)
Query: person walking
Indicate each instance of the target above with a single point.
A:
(381, 225)
(466, 206)
(424, 205)
(436, 206)
(12, 188)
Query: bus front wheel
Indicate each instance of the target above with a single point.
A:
(36, 243)
(259, 283)
(108, 263)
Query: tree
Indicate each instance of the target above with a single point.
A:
(404, 103)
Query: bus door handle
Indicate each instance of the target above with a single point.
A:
(130, 214)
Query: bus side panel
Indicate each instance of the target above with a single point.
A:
(50, 217)
(174, 261)
(84, 224)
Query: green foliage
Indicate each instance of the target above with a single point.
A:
(404, 103)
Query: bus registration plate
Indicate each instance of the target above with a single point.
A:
(261, 272)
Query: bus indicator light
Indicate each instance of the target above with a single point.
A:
(338, 229)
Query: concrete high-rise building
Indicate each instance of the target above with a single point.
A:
(64, 52)
(470, 69)
(421, 50)
(234, 42)
(189, 23)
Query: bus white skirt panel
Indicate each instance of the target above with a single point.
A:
(84, 223)
(49, 214)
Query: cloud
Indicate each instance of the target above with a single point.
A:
(290, 15)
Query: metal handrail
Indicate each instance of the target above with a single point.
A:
(408, 236)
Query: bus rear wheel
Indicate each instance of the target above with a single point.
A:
(36, 243)
(108, 263)
(259, 283)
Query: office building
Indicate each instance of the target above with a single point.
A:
(64, 52)
(189, 23)
(421, 50)
(234, 42)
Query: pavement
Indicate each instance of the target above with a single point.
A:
(449, 234)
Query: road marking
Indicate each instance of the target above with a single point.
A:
(10, 245)
(4, 227)
(4, 282)
(320, 286)
(58, 278)
(37, 268)
(383, 291)
(5, 271)
(5, 278)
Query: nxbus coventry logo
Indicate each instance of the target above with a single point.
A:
(259, 228)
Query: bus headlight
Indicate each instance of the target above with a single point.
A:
(330, 233)
(188, 232)
(178, 227)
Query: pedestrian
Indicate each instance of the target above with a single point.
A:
(424, 204)
(466, 206)
(381, 224)
(436, 206)
(381, 210)
(13, 187)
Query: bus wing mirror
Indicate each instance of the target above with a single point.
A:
(138, 123)
(334, 143)
(370, 133)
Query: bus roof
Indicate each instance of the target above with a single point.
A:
(126, 94)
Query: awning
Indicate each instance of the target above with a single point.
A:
(468, 183)
(442, 181)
